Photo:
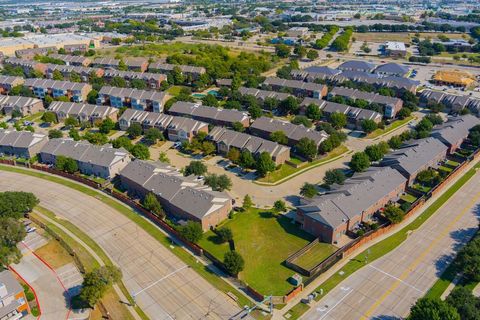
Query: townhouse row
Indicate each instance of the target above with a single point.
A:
(344, 207)
(184, 198)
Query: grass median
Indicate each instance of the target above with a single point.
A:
(388, 244)
(151, 229)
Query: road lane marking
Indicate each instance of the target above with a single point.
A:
(392, 276)
(420, 258)
(335, 305)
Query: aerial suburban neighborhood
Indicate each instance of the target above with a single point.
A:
(173, 159)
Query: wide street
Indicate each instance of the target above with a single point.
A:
(165, 287)
(389, 286)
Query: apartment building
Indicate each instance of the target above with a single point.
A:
(21, 144)
(415, 157)
(261, 95)
(136, 99)
(8, 82)
(26, 65)
(391, 106)
(25, 105)
(78, 61)
(182, 198)
(13, 302)
(30, 53)
(452, 102)
(72, 48)
(67, 70)
(454, 131)
(185, 129)
(297, 88)
(264, 127)
(42, 87)
(189, 71)
(356, 65)
(152, 80)
(105, 63)
(136, 64)
(83, 112)
(215, 116)
(101, 161)
(329, 216)
(227, 139)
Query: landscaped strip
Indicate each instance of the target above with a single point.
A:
(392, 127)
(87, 260)
(151, 229)
(388, 244)
(274, 178)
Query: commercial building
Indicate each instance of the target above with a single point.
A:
(136, 99)
(41, 87)
(313, 73)
(395, 49)
(216, 116)
(391, 106)
(25, 105)
(101, 161)
(297, 32)
(183, 198)
(456, 78)
(264, 127)
(188, 71)
(83, 112)
(227, 139)
(332, 215)
(22, 144)
(13, 302)
(297, 88)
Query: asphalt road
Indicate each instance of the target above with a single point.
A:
(170, 289)
(389, 286)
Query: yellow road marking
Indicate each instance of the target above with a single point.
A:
(420, 258)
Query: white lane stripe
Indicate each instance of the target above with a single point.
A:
(336, 304)
(398, 279)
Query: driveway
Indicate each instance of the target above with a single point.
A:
(168, 289)
(389, 286)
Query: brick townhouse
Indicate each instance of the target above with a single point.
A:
(8, 82)
(66, 71)
(454, 131)
(136, 99)
(183, 198)
(188, 71)
(152, 80)
(83, 112)
(42, 87)
(298, 88)
(22, 144)
(25, 105)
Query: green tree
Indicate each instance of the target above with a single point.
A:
(138, 84)
(106, 126)
(289, 105)
(122, 65)
(73, 133)
(238, 126)
(225, 234)
(66, 164)
(96, 283)
(312, 54)
(300, 51)
(334, 176)
(308, 190)
(218, 182)
(208, 147)
(369, 125)
(394, 214)
(122, 142)
(265, 164)
(71, 122)
(135, 130)
(192, 231)
(54, 134)
(246, 159)
(75, 77)
(49, 117)
(313, 112)
(151, 203)
(306, 147)
(12, 232)
(279, 206)
(466, 304)
(302, 120)
(282, 50)
(360, 162)
(197, 168)
(14, 204)
(163, 157)
(92, 96)
(338, 120)
(118, 82)
(210, 100)
(279, 137)
(374, 152)
(233, 155)
(140, 151)
(96, 138)
(255, 111)
(432, 309)
(152, 135)
(395, 142)
(233, 262)
(247, 202)
(57, 75)
(468, 260)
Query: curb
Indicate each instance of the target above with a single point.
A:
(31, 288)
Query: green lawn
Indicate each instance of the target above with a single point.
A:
(315, 255)
(385, 246)
(154, 231)
(446, 169)
(421, 188)
(452, 163)
(264, 241)
(394, 125)
(33, 117)
(286, 172)
(174, 90)
(410, 198)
